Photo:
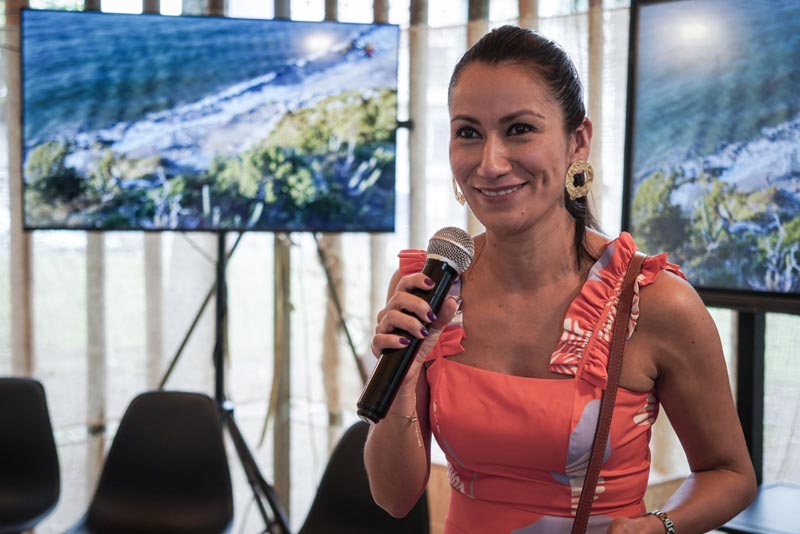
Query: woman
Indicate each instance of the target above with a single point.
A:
(510, 374)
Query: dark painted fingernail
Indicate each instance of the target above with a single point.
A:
(428, 282)
(404, 341)
(431, 316)
(424, 332)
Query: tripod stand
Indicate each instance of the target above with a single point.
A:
(275, 520)
(266, 499)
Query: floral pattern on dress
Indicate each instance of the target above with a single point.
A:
(647, 414)
(455, 481)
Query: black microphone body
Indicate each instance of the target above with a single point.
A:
(393, 365)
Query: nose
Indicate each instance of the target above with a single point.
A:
(494, 161)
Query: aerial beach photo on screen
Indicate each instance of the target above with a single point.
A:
(151, 122)
(715, 148)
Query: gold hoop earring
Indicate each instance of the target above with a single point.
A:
(579, 168)
(457, 192)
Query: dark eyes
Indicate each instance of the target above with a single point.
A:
(519, 129)
(468, 132)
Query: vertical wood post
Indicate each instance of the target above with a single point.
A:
(216, 8)
(96, 347)
(380, 11)
(331, 348)
(154, 308)
(153, 288)
(595, 104)
(20, 257)
(529, 14)
(282, 443)
(283, 9)
(377, 242)
(331, 245)
(418, 137)
(97, 351)
(477, 26)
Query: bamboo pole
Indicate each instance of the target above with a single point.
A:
(331, 349)
(377, 242)
(477, 26)
(595, 105)
(20, 257)
(282, 9)
(216, 8)
(281, 392)
(153, 287)
(96, 351)
(418, 138)
(529, 14)
(96, 346)
(154, 308)
(380, 11)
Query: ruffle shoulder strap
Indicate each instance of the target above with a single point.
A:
(586, 339)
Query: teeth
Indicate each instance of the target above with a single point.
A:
(501, 192)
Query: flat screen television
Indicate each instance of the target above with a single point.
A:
(151, 122)
(712, 155)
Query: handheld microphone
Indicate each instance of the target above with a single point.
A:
(449, 254)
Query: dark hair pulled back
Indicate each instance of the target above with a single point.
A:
(548, 60)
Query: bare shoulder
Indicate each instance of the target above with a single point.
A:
(669, 294)
(676, 323)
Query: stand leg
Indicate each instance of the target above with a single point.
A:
(278, 524)
(261, 489)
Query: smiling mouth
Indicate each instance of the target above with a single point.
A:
(500, 192)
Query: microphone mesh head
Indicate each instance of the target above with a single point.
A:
(454, 246)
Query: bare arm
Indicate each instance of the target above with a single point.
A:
(692, 385)
(397, 452)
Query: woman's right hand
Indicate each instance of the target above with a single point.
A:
(412, 314)
(397, 452)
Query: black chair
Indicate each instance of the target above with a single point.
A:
(166, 471)
(29, 471)
(343, 503)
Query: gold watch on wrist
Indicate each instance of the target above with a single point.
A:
(669, 526)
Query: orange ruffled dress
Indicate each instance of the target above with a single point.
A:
(517, 448)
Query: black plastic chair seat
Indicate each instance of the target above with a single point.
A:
(343, 503)
(166, 471)
(29, 470)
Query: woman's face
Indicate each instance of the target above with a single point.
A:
(509, 150)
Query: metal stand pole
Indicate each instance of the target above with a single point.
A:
(275, 520)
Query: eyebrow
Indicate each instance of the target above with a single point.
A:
(511, 116)
(506, 118)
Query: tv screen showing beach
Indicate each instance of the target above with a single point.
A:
(150, 122)
(713, 159)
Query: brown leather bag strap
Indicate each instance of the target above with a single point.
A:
(609, 395)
